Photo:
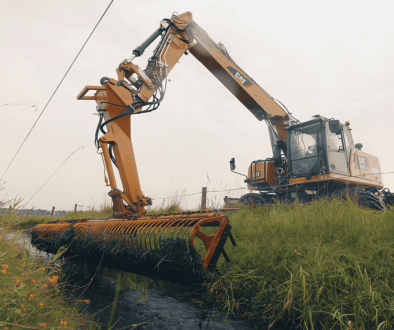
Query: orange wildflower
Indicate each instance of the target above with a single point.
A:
(31, 296)
(5, 266)
(87, 301)
(44, 325)
(5, 304)
(23, 265)
(33, 281)
(53, 280)
(3, 271)
(23, 306)
(45, 286)
(63, 323)
(41, 305)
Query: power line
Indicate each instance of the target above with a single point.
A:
(52, 175)
(56, 89)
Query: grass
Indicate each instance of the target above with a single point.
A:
(328, 265)
(31, 296)
(24, 221)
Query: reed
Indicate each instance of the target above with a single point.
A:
(327, 265)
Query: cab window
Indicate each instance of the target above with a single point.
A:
(303, 142)
(334, 141)
(348, 141)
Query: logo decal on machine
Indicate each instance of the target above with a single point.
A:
(256, 174)
(363, 163)
(244, 81)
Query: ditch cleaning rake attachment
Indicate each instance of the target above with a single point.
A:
(177, 247)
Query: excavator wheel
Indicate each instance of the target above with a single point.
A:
(361, 197)
(253, 200)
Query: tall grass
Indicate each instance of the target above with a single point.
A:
(327, 265)
(30, 295)
(26, 221)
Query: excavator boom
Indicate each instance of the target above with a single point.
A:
(139, 91)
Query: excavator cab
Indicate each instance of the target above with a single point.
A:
(319, 147)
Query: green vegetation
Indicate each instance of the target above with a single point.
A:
(24, 221)
(328, 265)
(30, 294)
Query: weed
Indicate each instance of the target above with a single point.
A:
(30, 294)
(324, 264)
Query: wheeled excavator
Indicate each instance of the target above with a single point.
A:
(312, 159)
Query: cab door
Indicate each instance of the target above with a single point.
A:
(336, 154)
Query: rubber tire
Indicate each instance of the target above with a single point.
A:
(361, 197)
(253, 200)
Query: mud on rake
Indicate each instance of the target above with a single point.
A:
(177, 247)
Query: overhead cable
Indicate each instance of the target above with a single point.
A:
(56, 90)
(52, 175)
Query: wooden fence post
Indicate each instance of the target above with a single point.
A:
(75, 208)
(204, 198)
(53, 211)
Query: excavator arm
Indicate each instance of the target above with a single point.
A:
(181, 34)
(178, 247)
(139, 91)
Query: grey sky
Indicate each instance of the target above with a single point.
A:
(331, 58)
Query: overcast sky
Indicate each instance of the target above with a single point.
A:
(333, 58)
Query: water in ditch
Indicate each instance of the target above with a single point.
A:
(150, 305)
(169, 307)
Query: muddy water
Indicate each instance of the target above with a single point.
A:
(160, 310)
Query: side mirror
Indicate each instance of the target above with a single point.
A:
(359, 146)
(334, 126)
(232, 164)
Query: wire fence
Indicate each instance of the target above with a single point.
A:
(172, 198)
(197, 193)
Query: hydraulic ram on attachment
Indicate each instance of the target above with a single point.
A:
(162, 246)
(178, 247)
